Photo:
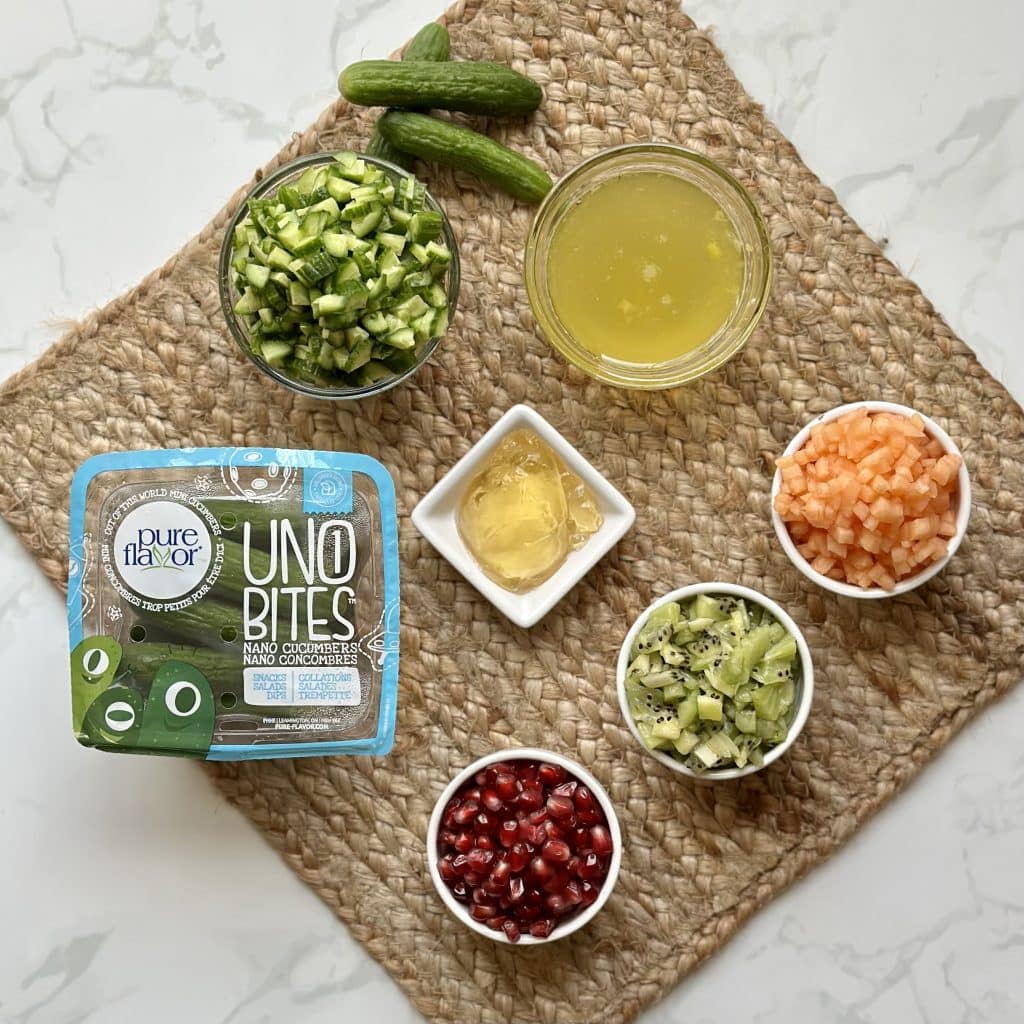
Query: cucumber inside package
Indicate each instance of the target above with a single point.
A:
(234, 603)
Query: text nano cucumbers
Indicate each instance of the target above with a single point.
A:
(234, 603)
(286, 595)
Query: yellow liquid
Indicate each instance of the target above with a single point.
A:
(645, 268)
(524, 512)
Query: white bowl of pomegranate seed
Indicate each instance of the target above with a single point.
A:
(524, 846)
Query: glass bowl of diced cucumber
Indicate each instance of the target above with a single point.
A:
(715, 681)
(339, 274)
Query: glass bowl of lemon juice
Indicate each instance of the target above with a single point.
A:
(648, 266)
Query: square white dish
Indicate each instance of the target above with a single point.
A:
(434, 517)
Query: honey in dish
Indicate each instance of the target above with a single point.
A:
(523, 513)
(644, 268)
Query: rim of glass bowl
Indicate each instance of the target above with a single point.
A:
(228, 292)
(738, 205)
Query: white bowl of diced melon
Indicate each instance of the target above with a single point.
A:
(708, 733)
(952, 532)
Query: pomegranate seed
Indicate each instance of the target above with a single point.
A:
(553, 831)
(528, 774)
(583, 798)
(508, 831)
(492, 801)
(557, 882)
(511, 930)
(561, 808)
(501, 873)
(480, 897)
(600, 841)
(466, 812)
(449, 815)
(461, 892)
(480, 778)
(483, 822)
(473, 793)
(555, 850)
(482, 911)
(479, 860)
(463, 842)
(497, 922)
(573, 893)
(446, 838)
(588, 894)
(519, 856)
(460, 864)
(529, 912)
(533, 835)
(516, 889)
(446, 871)
(580, 837)
(566, 788)
(590, 816)
(541, 871)
(542, 929)
(556, 903)
(530, 798)
(538, 817)
(485, 843)
(472, 878)
(551, 774)
(506, 786)
(573, 867)
(590, 866)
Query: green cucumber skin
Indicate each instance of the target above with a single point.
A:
(430, 43)
(145, 659)
(474, 88)
(447, 143)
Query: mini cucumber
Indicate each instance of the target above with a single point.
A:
(430, 43)
(447, 143)
(472, 87)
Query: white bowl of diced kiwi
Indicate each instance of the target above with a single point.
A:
(715, 681)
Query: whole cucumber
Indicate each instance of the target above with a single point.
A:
(430, 43)
(475, 88)
(447, 143)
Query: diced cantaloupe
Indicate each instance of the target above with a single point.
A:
(870, 498)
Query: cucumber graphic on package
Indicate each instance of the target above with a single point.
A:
(114, 718)
(94, 663)
(179, 713)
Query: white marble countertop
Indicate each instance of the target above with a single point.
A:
(133, 892)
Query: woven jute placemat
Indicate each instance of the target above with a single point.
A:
(895, 679)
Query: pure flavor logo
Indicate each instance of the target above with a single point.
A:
(171, 548)
(162, 550)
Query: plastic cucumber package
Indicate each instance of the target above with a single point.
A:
(234, 603)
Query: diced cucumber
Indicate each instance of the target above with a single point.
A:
(359, 355)
(335, 244)
(436, 296)
(437, 253)
(257, 275)
(396, 243)
(425, 226)
(276, 352)
(248, 303)
(363, 225)
(404, 337)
